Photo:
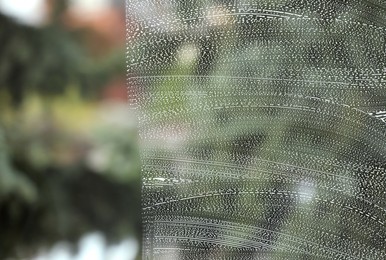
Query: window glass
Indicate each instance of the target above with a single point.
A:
(261, 127)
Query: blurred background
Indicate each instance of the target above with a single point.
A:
(69, 163)
(219, 91)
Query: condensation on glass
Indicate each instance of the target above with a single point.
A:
(262, 127)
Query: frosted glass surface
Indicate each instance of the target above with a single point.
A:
(262, 127)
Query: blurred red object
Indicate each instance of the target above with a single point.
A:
(105, 28)
(116, 91)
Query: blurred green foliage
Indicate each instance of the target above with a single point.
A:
(49, 59)
(51, 188)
